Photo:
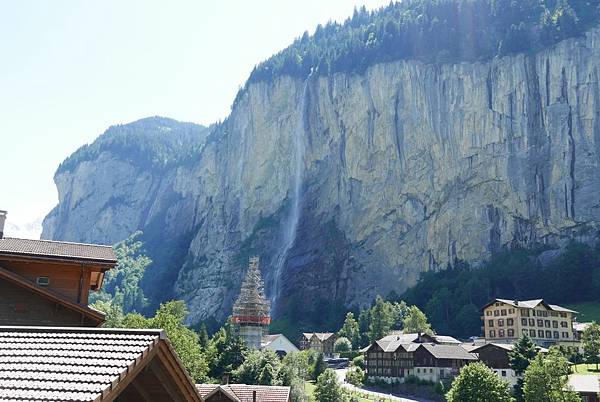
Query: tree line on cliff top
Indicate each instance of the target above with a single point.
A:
(430, 31)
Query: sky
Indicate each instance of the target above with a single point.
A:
(69, 69)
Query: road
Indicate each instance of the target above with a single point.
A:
(341, 373)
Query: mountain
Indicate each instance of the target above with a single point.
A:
(352, 173)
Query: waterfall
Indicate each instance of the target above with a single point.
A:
(291, 222)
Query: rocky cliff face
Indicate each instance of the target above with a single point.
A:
(352, 185)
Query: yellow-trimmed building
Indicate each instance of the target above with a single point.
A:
(546, 324)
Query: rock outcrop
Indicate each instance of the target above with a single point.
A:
(348, 186)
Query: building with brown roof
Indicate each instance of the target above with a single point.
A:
(91, 364)
(586, 385)
(48, 282)
(244, 393)
(546, 324)
(320, 342)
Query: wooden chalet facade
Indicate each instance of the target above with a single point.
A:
(393, 360)
(48, 283)
(321, 342)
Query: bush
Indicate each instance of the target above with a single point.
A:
(355, 376)
(359, 361)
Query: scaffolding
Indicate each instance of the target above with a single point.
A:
(251, 310)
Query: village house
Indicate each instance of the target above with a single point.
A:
(495, 356)
(48, 282)
(586, 385)
(505, 321)
(278, 343)
(91, 364)
(320, 342)
(244, 393)
(395, 357)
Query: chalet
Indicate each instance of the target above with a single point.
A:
(395, 357)
(505, 321)
(48, 282)
(321, 342)
(91, 364)
(244, 393)
(495, 356)
(278, 343)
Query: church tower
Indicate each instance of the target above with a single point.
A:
(251, 311)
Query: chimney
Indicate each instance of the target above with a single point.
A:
(254, 396)
(2, 220)
(225, 379)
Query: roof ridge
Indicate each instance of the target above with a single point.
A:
(117, 331)
(58, 242)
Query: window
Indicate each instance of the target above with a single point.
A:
(524, 322)
(42, 280)
(524, 313)
(548, 334)
(565, 334)
(563, 315)
(540, 333)
(511, 311)
(540, 323)
(531, 322)
(496, 313)
(501, 333)
(532, 333)
(563, 324)
(503, 312)
(555, 335)
(488, 312)
(511, 333)
(431, 370)
(503, 373)
(547, 323)
(501, 322)
(554, 324)
(553, 314)
(491, 323)
(510, 321)
(492, 334)
(545, 313)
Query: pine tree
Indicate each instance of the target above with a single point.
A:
(519, 358)
(546, 379)
(350, 330)
(319, 367)
(416, 321)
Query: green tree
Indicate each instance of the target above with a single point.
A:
(122, 283)
(170, 317)
(328, 389)
(591, 344)
(225, 352)
(260, 367)
(519, 358)
(342, 345)
(382, 319)
(294, 372)
(478, 383)
(546, 379)
(350, 330)
(363, 325)
(319, 366)
(203, 336)
(416, 321)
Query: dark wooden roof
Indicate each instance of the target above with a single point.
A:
(77, 364)
(93, 314)
(10, 246)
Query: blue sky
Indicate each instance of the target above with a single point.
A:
(71, 68)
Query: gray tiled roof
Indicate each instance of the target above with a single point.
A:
(67, 364)
(57, 249)
(448, 352)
